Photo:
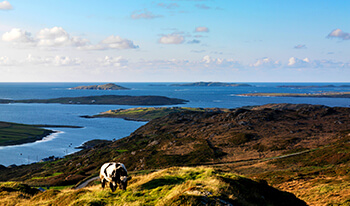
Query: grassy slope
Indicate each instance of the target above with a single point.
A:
(149, 113)
(11, 133)
(173, 186)
(318, 177)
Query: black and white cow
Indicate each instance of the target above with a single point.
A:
(115, 174)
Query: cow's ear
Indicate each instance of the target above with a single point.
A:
(129, 178)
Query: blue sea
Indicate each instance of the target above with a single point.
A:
(66, 139)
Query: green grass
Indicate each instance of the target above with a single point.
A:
(12, 133)
(149, 113)
(172, 186)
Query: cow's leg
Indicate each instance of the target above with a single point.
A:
(103, 182)
(112, 186)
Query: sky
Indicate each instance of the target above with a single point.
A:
(174, 41)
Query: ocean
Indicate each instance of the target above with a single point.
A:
(66, 139)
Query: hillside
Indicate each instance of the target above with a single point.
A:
(287, 145)
(109, 86)
(148, 113)
(173, 186)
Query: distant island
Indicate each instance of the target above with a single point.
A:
(105, 100)
(212, 84)
(324, 94)
(109, 86)
(150, 113)
(310, 86)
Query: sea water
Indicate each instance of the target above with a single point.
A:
(66, 139)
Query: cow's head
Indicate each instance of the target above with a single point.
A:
(123, 178)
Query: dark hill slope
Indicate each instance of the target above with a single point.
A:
(195, 138)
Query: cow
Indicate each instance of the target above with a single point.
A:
(115, 174)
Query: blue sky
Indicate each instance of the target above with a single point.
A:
(174, 41)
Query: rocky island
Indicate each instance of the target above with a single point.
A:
(109, 86)
(212, 84)
(104, 99)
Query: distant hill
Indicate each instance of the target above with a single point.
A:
(109, 86)
(212, 84)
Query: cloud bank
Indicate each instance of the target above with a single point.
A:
(58, 37)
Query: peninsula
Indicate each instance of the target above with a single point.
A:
(105, 100)
(212, 84)
(311, 86)
(109, 86)
(14, 134)
(150, 113)
(323, 94)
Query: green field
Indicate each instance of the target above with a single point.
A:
(12, 133)
(149, 113)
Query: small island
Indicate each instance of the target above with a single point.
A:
(323, 94)
(104, 100)
(212, 84)
(109, 86)
(150, 113)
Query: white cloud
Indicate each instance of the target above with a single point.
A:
(330, 64)
(114, 61)
(116, 42)
(201, 29)
(5, 5)
(208, 61)
(53, 37)
(172, 39)
(58, 37)
(17, 35)
(52, 60)
(266, 62)
(338, 33)
(144, 14)
(295, 62)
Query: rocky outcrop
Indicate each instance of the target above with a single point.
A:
(109, 86)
